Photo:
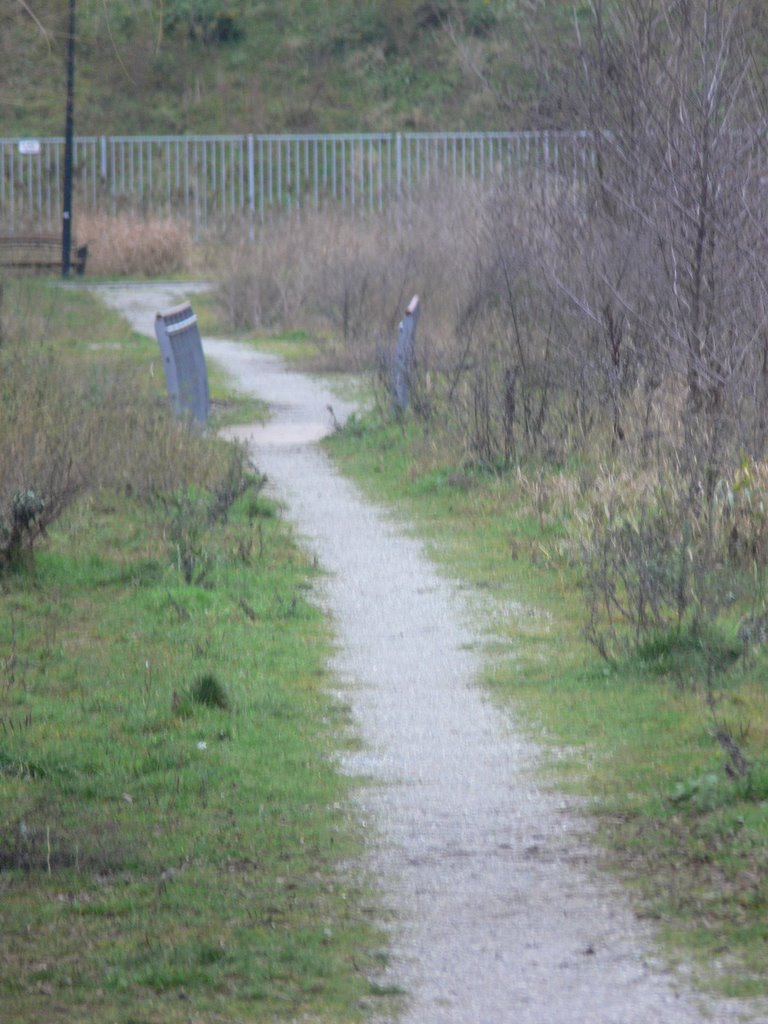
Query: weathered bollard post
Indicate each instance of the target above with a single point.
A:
(404, 357)
(181, 347)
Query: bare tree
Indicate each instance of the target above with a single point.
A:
(671, 91)
(665, 255)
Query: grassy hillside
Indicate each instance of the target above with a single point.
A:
(293, 65)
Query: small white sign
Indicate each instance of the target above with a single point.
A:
(29, 147)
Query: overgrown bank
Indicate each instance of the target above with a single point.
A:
(173, 824)
(636, 734)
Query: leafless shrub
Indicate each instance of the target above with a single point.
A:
(145, 451)
(130, 245)
(65, 432)
(42, 432)
(660, 265)
(350, 279)
(635, 553)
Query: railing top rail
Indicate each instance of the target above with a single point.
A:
(306, 136)
(325, 136)
(517, 134)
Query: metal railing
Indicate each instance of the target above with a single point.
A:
(213, 180)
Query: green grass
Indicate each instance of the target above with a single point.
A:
(634, 737)
(158, 846)
(175, 836)
(299, 66)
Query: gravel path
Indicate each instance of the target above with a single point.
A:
(499, 912)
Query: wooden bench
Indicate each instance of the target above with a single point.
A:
(39, 252)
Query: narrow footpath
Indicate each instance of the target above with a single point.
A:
(499, 914)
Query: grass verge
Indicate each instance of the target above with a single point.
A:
(176, 842)
(634, 736)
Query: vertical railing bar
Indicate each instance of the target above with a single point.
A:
(150, 178)
(241, 176)
(234, 178)
(211, 178)
(280, 173)
(44, 190)
(335, 176)
(104, 165)
(211, 184)
(220, 185)
(316, 171)
(94, 175)
(12, 188)
(268, 177)
(251, 185)
(2, 173)
(334, 172)
(186, 182)
(261, 181)
(217, 200)
(236, 184)
(113, 174)
(380, 156)
(343, 174)
(39, 172)
(297, 173)
(399, 164)
(140, 146)
(307, 179)
(47, 182)
(370, 174)
(206, 190)
(39, 184)
(353, 148)
(223, 172)
(55, 179)
(196, 185)
(29, 166)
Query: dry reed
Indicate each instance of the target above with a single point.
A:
(127, 245)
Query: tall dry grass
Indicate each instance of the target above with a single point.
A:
(472, 253)
(349, 279)
(128, 245)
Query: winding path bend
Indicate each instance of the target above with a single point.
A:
(499, 913)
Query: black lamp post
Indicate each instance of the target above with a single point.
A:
(66, 231)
